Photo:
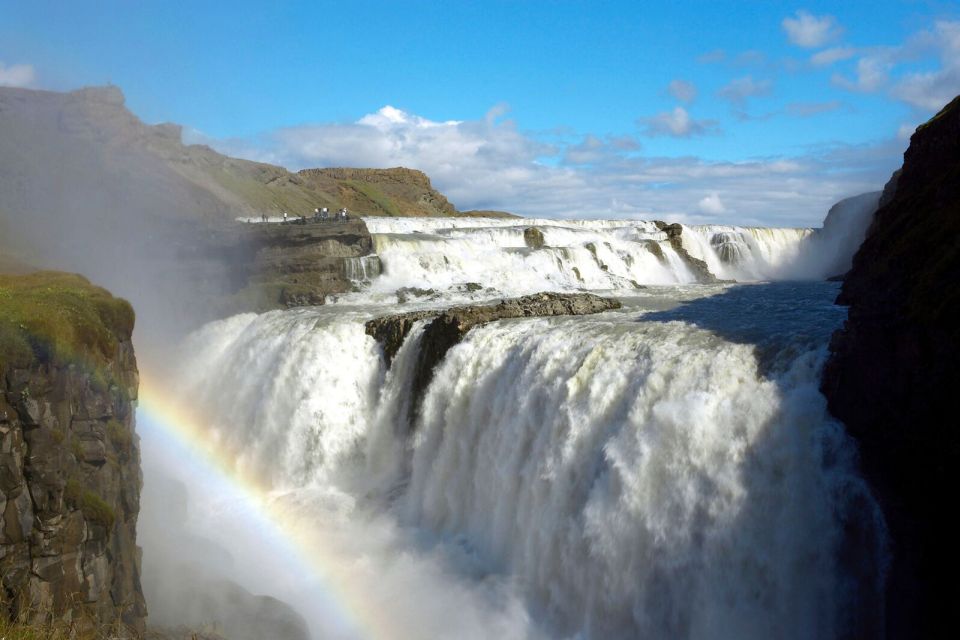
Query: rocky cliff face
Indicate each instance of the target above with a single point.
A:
(268, 266)
(892, 373)
(69, 457)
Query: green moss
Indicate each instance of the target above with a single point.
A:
(62, 318)
(96, 510)
(119, 436)
(72, 492)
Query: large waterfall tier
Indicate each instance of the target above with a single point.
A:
(667, 469)
(517, 257)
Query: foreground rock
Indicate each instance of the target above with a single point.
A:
(448, 327)
(892, 376)
(69, 457)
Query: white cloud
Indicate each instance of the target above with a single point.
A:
(593, 151)
(905, 131)
(830, 56)
(17, 75)
(711, 205)
(931, 90)
(739, 90)
(809, 31)
(676, 123)
(682, 90)
(873, 73)
(490, 164)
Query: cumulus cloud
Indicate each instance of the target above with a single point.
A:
(809, 31)
(738, 90)
(17, 75)
(931, 90)
(711, 205)
(682, 90)
(491, 164)
(676, 123)
(832, 55)
(872, 73)
(593, 150)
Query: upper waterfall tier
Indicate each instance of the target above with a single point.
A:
(517, 257)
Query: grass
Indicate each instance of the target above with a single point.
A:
(33, 623)
(120, 436)
(94, 508)
(59, 317)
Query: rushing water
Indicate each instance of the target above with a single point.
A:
(666, 470)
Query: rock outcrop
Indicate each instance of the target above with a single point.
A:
(288, 265)
(674, 236)
(533, 238)
(892, 373)
(448, 327)
(381, 192)
(69, 457)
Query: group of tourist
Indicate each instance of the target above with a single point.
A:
(319, 215)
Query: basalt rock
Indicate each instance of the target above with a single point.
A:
(892, 376)
(69, 466)
(448, 327)
(533, 237)
(699, 268)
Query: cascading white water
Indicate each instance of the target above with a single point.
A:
(659, 471)
(610, 255)
(747, 253)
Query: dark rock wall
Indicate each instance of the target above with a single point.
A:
(892, 373)
(70, 492)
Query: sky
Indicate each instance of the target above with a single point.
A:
(737, 112)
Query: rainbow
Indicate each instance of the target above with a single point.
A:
(159, 415)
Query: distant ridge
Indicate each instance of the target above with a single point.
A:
(62, 153)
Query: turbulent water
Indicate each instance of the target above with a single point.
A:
(666, 470)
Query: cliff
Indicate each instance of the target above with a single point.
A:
(69, 457)
(381, 192)
(273, 265)
(892, 372)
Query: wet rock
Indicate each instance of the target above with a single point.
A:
(533, 237)
(447, 328)
(699, 268)
(405, 294)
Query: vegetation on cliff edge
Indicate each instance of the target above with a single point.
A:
(59, 317)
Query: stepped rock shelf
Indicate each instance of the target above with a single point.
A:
(448, 327)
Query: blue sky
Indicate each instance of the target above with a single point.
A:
(761, 112)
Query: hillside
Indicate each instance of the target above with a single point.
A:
(61, 151)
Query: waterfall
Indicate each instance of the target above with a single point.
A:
(442, 254)
(665, 470)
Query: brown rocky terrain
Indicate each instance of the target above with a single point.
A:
(60, 151)
(892, 373)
